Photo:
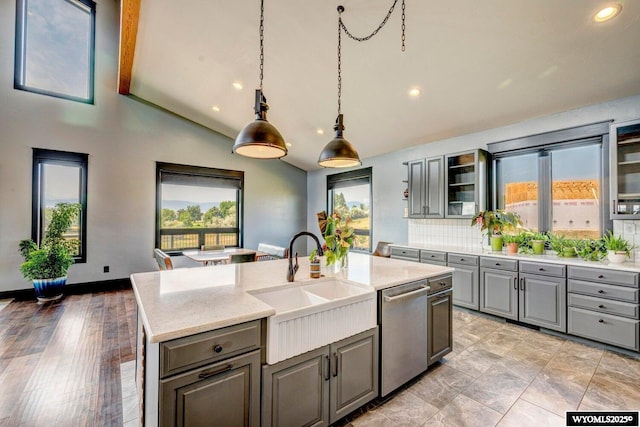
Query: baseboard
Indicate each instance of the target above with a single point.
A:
(72, 289)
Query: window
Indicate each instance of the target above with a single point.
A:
(197, 206)
(59, 177)
(349, 194)
(555, 181)
(55, 43)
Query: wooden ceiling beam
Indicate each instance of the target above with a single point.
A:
(129, 16)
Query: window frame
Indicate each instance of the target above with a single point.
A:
(188, 170)
(21, 54)
(544, 144)
(61, 158)
(357, 177)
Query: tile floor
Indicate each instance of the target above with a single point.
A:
(508, 375)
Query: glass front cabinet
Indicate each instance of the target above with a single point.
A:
(624, 153)
(466, 183)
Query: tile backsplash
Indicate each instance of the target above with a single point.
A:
(459, 232)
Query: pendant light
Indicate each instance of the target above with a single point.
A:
(260, 139)
(339, 153)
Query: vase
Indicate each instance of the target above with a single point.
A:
(496, 243)
(314, 269)
(341, 263)
(537, 246)
(616, 257)
(49, 289)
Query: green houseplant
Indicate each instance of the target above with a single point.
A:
(338, 237)
(47, 265)
(618, 249)
(494, 223)
(563, 246)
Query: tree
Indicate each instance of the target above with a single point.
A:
(194, 212)
(225, 208)
(168, 215)
(211, 215)
(185, 218)
(340, 204)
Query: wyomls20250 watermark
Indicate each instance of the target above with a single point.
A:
(605, 418)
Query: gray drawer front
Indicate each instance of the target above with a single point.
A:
(462, 259)
(197, 350)
(555, 270)
(405, 253)
(433, 256)
(621, 293)
(615, 277)
(499, 263)
(603, 305)
(603, 327)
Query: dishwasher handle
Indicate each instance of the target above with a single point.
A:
(406, 295)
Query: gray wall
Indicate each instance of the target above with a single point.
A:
(388, 171)
(124, 138)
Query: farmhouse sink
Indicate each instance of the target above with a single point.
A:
(314, 315)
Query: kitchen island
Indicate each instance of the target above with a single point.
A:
(188, 316)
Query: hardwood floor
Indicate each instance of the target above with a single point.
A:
(60, 362)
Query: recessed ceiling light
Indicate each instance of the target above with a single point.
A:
(607, 13)
(320, 131)
(415, 92)
(215, 108)
(237, 85)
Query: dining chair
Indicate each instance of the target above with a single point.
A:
(212, 248)
(163, 260)
(244, 257)
(270, 252)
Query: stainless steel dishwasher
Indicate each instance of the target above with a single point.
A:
(404, 341)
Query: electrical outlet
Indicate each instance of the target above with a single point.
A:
(105, 269)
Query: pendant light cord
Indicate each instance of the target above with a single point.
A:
(261, 42)
(341, 27)
(382, 24)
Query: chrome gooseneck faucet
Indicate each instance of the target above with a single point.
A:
(291, 273)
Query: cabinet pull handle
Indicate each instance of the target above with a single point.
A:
(461, 259)
(601, 306)
(601, 277)
(613, 207)
(522, 284)
(600, 321)
(515, 283)
(217, 348)
(327, 371)
(335, 364)
(601, 291)
(541, 269)
(216, 372)
(497, 263)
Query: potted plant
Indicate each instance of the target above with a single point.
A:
(591, 250)
(47, 265)
(511, 241)
(537, 241)
(563, 246)
(314, 265)
(618, 249)
(495, 222)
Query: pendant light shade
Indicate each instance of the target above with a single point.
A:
(260, 139)
(339, 153)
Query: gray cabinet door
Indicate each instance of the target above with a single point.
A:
(434, 188)
(296, 391)
(499, 293)
(465, 286)
(417, 188)
(440, 327)
(226, 393)
(354, 373)
(543, 301)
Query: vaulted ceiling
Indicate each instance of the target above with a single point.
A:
(478, 65)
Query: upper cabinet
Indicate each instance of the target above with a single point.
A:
(466, 183)
(624, 153)
(426, 184)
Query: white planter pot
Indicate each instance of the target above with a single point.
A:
(616, 257)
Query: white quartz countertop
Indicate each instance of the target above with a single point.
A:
(181, 302)
(549, 257)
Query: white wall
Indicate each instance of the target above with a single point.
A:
(124, 138)
(388, 171)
